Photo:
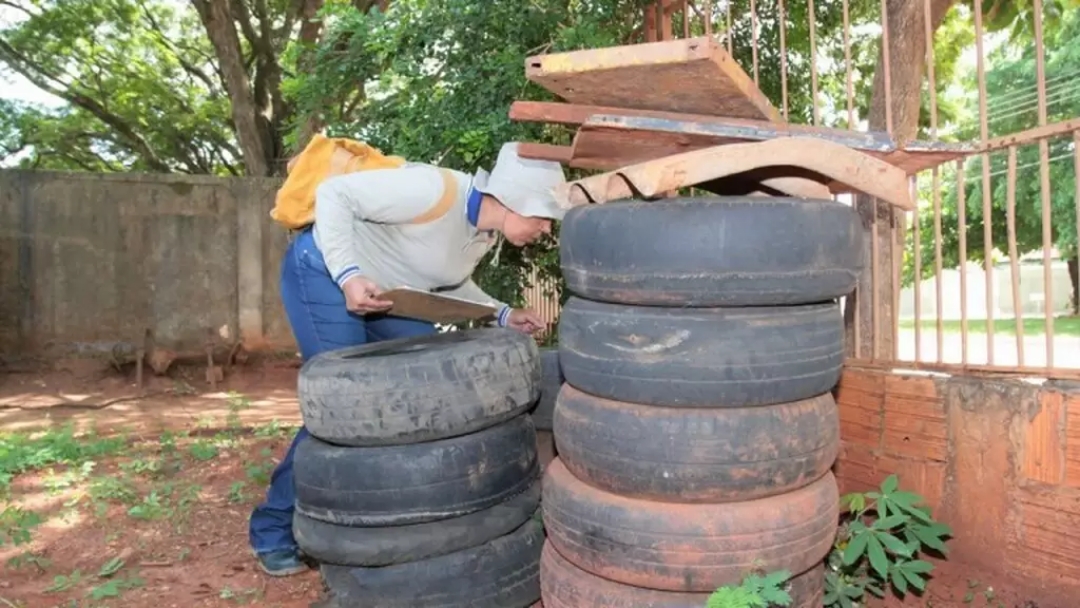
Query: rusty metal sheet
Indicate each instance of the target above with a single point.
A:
(623, 140)
(687, 75)
(795, 157)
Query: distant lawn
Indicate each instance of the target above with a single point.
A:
(1063, 326)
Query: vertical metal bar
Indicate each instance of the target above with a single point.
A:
(1076, 180)
(847, 62)
(916, 238)
(939, 298)
(1044, 179)
(885, 65)
(782, 23)
(931, 86)
(813, 62)
(708, 22)
(1014, 256)
(961, 216)
(686, 18)
(754, 34)
(984, 134)
(875, 291)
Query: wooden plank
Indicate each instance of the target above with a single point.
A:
(434, 307)
(687, 75)
(560, 154)
(798, 155)
(625, 140)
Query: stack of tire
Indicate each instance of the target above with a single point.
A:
(419, 485)
(696, 429)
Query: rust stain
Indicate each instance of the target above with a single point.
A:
(1043, 444)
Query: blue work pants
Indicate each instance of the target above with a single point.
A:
(315, 307)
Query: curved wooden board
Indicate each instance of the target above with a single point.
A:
(831, 161)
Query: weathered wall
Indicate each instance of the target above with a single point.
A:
(91, 261)
(997, 459)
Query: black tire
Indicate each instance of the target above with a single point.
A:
(687, 548)
(504, 573)
(715, 251)
(413, 484)
(419, 389)
(372, 547)
(692, 455)
(551, 380)
(566, 586)
(701, 357)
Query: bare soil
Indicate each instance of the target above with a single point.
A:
(153, 511)
(160, 516)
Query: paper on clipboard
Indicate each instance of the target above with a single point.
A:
(434, 307)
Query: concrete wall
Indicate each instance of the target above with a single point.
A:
(1032, 288)
(998, 460)
(90, 261)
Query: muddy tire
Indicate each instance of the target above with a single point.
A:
(551, 380)
(372, 547)
(701, 357)
(504, 573)
(689, 548)
(419, 389)
(565, 586)
(696, 454)
(712, 251)
(417, 483)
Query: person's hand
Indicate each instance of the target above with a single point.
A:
(362, 296)
(525, 321)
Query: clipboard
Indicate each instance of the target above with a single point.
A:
(434, 307)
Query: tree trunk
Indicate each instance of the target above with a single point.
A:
(907, 65)
(217, 18)
(1074, 279)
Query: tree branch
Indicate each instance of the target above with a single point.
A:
(217, 19)
(175, 50)
(40, 78)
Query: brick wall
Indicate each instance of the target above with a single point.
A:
(997, 459)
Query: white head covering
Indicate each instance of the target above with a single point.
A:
(523, 185)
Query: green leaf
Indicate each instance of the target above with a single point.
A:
(893, 544)
(898, 581)
(905, 499)
(928, 538)
(890, 485)
(854, 502)
(878, 560)
(915, 579)
(856, 548)
(918, 566)
(890, 522)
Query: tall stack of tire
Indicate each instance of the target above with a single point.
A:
(696, 428)
(419, 485)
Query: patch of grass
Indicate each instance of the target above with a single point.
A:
(23, 452)
(16, 524)
(1063, 326)
(203, 450)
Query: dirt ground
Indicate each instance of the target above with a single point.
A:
(151, 509)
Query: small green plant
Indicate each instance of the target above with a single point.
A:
(38, 562)
(63, 582)
(237, 404)
(236, 492)
(879, 544)
(15, 525)
(756, 591)
(203, 450)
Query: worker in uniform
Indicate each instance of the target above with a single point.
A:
(419, 226)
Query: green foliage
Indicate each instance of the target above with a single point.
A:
(1013, 108)
(756, 591)
(879, 545)
(140, 81)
